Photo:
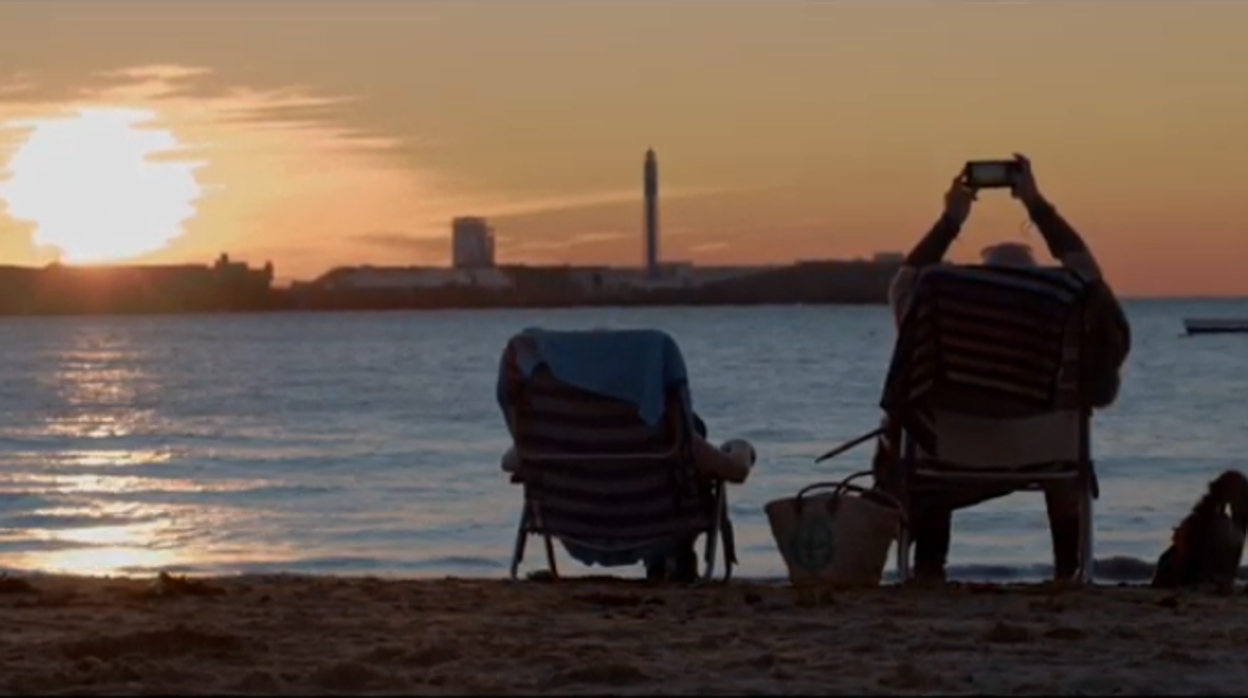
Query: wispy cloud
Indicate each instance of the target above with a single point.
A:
(204, 99)
(537, 206)
(592, 238)
(520, 246)
(709, 246)
(402, 241)
(156, 72)
(678, 231)
(19, 83)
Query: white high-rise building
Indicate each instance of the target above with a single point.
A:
(472, 243)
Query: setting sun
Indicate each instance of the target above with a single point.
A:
(93, 188)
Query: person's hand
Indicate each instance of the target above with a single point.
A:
(1025, 189)
(958, 200)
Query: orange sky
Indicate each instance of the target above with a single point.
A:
(345, 133)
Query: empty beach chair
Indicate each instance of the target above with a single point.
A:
(988, 390)
(603, 428)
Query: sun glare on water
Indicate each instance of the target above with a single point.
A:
(93, 188)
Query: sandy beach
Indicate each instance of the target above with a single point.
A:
(329, 635)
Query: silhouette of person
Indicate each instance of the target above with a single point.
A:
(1107, 342)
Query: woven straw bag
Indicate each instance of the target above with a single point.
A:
(837, 539)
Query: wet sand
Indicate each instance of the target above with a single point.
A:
(269, 635)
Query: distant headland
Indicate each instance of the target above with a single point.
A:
(230, 286)
(473, 280)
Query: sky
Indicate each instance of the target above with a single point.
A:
(321, 134)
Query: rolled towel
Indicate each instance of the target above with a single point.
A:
(740, 451)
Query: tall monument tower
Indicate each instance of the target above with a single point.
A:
(652, 214)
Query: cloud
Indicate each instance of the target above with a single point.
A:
(538, 206)
(528, 246)
(17, 84)
(156, 72)
(592, 238)
(678, 231)
(205, 99)
(143, 82)
(709, 246)
(402, 241)
(515, 245)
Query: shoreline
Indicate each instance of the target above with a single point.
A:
(615, 304)
(288, 634)
(1109, 571)
(435, 308)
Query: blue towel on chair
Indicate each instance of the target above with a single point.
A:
(635, 366)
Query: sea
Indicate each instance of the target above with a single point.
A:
(369, 443)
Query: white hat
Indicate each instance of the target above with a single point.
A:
(1008, 254)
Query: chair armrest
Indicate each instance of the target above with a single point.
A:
(856, 441)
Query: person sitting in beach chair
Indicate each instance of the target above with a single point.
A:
(1103, 340)
(613, 461)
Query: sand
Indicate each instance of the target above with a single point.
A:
(334, 636)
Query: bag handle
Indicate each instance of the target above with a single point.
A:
(846, 486)
(839, 486)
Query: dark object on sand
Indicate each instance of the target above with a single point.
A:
(167, 585)
(1208, 544)
(13, 585)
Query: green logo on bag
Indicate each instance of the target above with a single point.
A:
(811, 545)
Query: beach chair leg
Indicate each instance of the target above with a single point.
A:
(712, 535)
(550, 557)
(522, 535)
(1087, 538)
(903, 555)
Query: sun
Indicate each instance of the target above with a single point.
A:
(92, 187)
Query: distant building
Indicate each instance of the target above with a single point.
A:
(666, 275)
(369, 278)
(472, 243)
(650, 175)
(888, 257)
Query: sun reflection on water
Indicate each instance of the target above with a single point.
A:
(117, 561)
(46, 483)
(116, 539)
(100, 387)
(118, 458)
(97, 426)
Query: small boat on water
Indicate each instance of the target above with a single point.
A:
(1215, 325)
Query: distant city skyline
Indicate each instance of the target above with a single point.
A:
(328, 134)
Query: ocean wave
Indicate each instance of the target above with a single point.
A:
(27, 522)
(1111, 569)
(341, 565)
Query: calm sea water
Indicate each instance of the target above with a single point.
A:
(366, 443)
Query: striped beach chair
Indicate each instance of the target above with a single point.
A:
(613, 487)
(988, 389)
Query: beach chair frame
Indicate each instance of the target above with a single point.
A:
(677, 455)
(915, 469)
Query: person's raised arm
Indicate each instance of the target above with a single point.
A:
(931, 249)
(1064, 243)
(1110, 332)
